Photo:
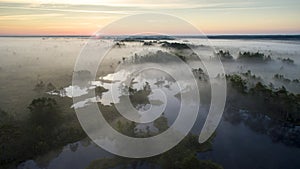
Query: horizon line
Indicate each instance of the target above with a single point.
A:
(176, 35)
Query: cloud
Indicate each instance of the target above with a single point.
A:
(133, 6)
(117, 4)
(14, 14)
(28, 16)
(67, 10)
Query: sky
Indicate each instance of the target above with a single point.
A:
(85, 17)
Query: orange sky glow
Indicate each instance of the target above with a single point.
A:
(85, 17)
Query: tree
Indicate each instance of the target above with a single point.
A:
(44, 112)
(190, 162)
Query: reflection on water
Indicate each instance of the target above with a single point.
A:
(235, 146)
(76, 156)
(288, 134)
(244, 139)
(112, 89)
